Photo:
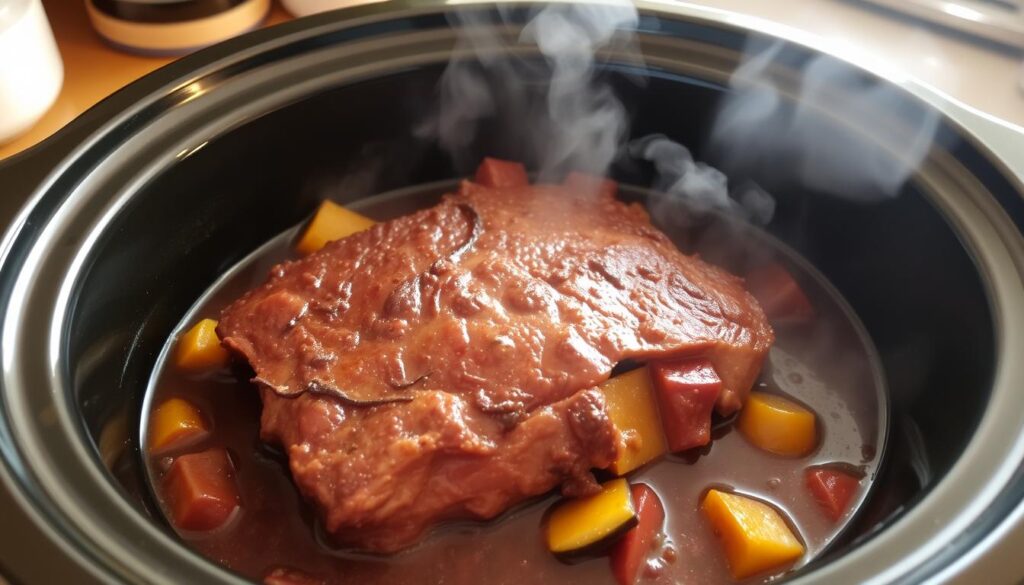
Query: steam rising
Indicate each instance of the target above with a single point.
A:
(697, 184)
(758, 132)
(562, 115)
(590, 121)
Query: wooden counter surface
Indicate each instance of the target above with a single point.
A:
(92, 69)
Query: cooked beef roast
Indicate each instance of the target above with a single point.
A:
(443, 365)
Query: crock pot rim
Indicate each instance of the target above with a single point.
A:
(15, 235)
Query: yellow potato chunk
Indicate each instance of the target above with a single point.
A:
(631, 406)
(175, 423)
(581, 525)
(331, 222)
(754, 536)
(199, 349)
(778, 425)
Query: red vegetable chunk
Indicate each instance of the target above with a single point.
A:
(832, 489)
(592, 184)
(687, 390)
(200, 490)
(632, 550)
(779, 295)
(494, 172)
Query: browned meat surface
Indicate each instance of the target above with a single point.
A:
(442, 365)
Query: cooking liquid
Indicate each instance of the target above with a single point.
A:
(828, 365)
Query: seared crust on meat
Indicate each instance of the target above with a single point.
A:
(442, 365)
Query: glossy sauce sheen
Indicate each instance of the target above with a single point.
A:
(483, 323)
(823, 365)
(518, 296)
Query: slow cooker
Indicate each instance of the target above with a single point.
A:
(121, 220)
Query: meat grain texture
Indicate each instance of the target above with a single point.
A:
(443, 365)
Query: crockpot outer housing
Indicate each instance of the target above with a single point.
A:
(968, 525)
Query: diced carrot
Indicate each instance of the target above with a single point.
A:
(687, 390)
(199, 349)
(587, 525)
(779, 294)
(331, 222)
(754, 536)
(175, 424)
(833, 489)
(778, 425)
(603, 187)
(494, 172)
(200, 490)
(632, 409)
(635, 546)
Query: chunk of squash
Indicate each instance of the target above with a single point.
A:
(199, 349)
(631, 407)
(754, 536)
(587, 525)
(331, 222)
(778, 425)
(174, 424)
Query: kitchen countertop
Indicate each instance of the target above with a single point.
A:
(980, 75)
(92, 69)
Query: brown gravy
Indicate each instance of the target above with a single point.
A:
(828, 365)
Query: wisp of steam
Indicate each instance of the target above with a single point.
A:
(557, 112)
(757, 131)
(561, 114)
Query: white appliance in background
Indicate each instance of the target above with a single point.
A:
(31, 71)
(1001, 21)
(304, 7)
